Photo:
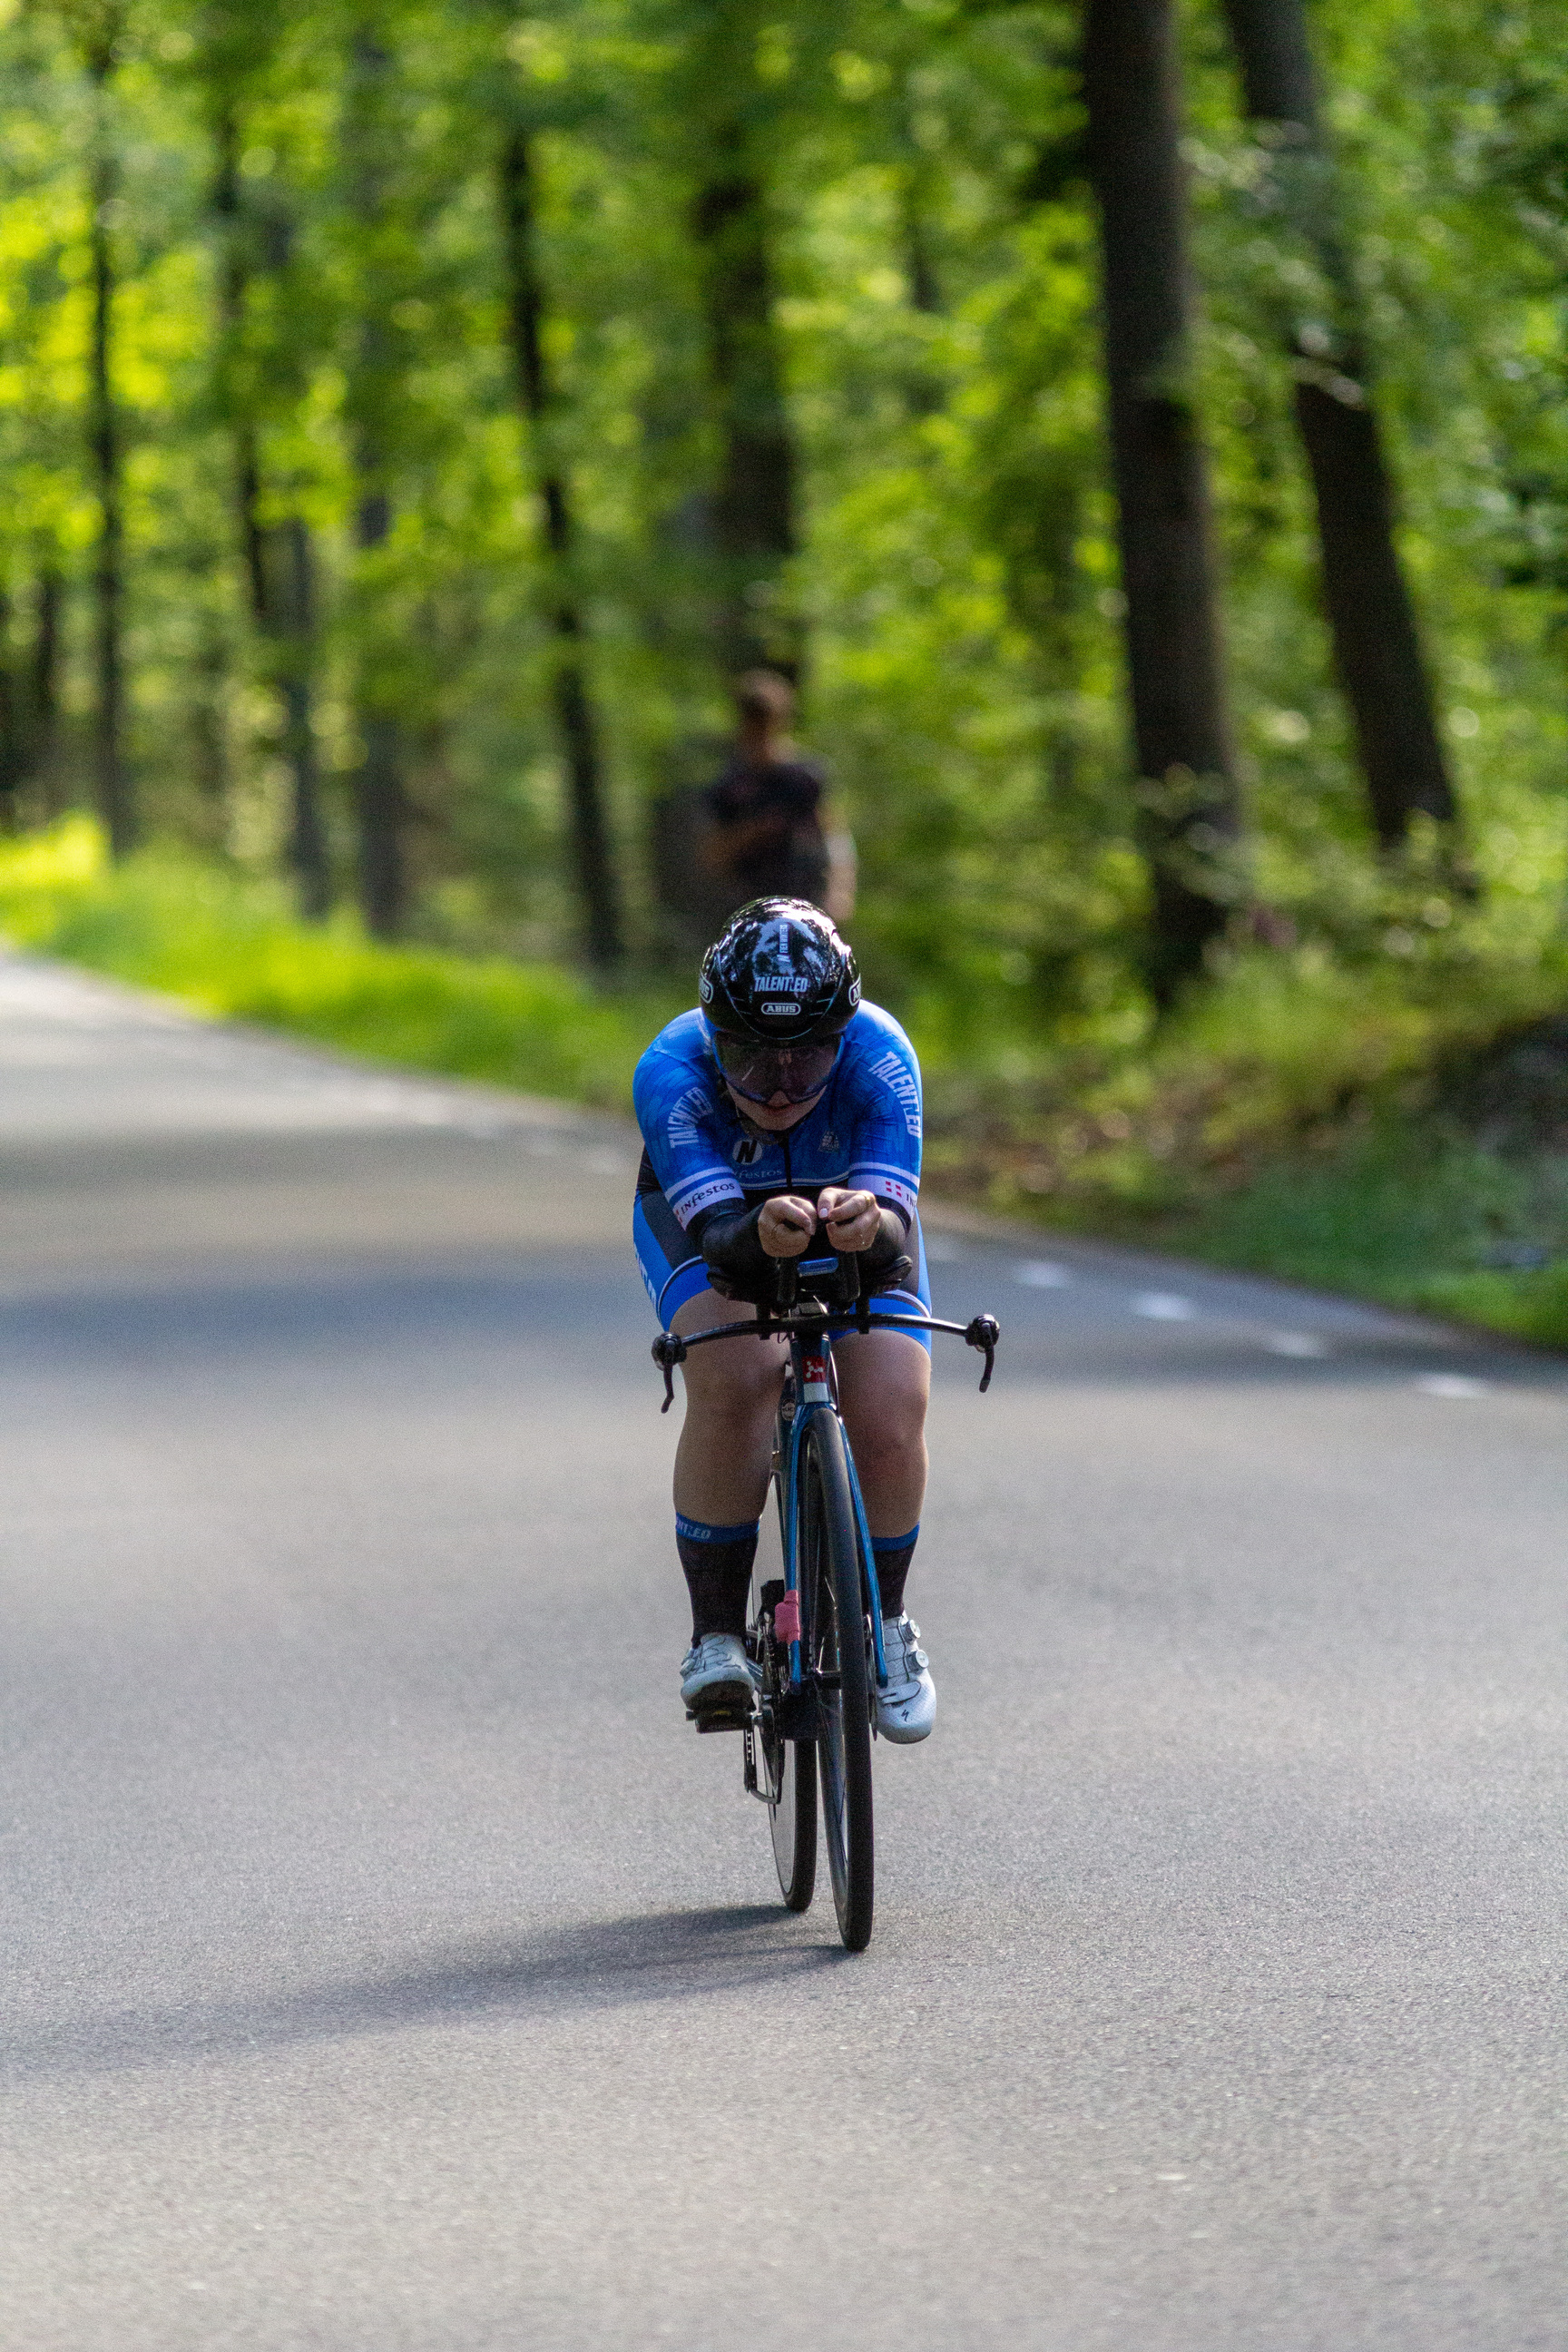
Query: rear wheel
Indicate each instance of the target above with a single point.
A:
(830, 1578)
(787, 1768)
(792, 1769)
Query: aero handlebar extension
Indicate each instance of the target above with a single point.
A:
(811, 1318)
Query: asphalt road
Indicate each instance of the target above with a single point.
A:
(387, 1967)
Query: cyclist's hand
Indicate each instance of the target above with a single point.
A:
(853, 1218)
(786, 1226)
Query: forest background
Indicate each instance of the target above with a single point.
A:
(412, 412)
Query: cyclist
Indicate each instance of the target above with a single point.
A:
(781, 1102)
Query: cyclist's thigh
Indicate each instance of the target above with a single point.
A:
(732, 1371)
(884, 1381)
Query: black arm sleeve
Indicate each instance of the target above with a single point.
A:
(738, 1265)
(887, 1263)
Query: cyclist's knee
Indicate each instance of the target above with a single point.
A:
(735, 1383)
(888, 1445)
(884, 1401)
(730, 1418)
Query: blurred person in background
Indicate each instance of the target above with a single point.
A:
(767, 835)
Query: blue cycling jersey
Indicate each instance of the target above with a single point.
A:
(864, 1131)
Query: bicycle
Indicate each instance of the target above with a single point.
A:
(816, 1635)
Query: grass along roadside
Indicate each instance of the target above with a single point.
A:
(1410, 1211)
(1359, 1130)
(230, 949)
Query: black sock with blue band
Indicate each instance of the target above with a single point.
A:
(718, 1565)
(892, 1555)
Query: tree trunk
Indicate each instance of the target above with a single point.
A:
(115, 795)
(597, 891)
(43, 682)
(278, 559)
(380, 803)
(1189, 808)
(308, 851)
(754, 509)
(13, 738)
(917, 204)
(1372, 620)
(208, 673)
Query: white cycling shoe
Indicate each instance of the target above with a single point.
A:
(906, 1709)
(717, 1679)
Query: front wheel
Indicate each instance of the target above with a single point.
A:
(830, 1579)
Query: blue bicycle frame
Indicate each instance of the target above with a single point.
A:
(808, 1324)
(811, 1375)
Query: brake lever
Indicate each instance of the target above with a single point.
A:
(669, 1349)
(984, 1333)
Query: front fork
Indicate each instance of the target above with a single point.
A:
(789, 1433)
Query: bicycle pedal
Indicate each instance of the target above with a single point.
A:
(722, 1718)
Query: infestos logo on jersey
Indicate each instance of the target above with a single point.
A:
(901, 1082)
(691, 1203)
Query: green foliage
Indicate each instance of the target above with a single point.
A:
(1410, 1214)
(935, 250)
(1526, 1306)
(1393, 1213)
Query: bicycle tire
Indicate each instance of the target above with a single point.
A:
(788, 1765)
(792, 1820)
(830, 1575)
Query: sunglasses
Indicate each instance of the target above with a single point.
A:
(759, 1073)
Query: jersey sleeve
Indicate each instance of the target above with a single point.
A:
(885, 1142)
(679, 1122)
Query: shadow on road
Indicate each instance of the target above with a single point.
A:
(599, 1964)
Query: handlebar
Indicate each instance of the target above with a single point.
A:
(982, 1332)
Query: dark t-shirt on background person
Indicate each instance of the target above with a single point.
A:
(767, 816)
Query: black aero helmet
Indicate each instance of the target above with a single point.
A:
(778, 991)
(780, 976)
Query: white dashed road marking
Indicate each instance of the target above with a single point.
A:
(1451, 1384)
(1294, 1343)
(1163, 1306)
(1041, 1274)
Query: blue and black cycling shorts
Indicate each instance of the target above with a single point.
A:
(673, 1271)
